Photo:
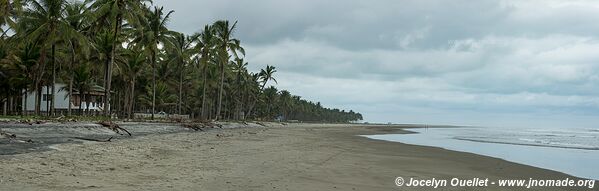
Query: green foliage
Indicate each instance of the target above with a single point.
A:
(126, 46)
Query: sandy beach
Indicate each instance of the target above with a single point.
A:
(279, 157)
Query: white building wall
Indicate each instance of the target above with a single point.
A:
(61, 98)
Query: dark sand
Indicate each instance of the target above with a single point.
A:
(290, 157)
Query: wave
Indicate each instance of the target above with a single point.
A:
(539, 144)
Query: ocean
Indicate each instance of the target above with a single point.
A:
(574, 151)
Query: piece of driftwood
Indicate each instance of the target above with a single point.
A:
(13, 137)
(201, 125)
(90, 139)
(8, 135)
(194, 126)
(114, 127)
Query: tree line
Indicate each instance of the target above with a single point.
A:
(126, 47)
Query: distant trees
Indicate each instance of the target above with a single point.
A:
(125, 46)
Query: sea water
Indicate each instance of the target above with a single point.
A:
(572, 151)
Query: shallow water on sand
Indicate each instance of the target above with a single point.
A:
(571, 151)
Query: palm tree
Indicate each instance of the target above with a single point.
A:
(267, 74)
(131, 69)
(239, 67)
(270, 95)
(154, 32)
(226, 43)
(43, 22)
(26, 65)
(15, 67)
(180, 53)
(83, 82)
(159, 96)
(285, 101)
(45, 33)
(114, 13)
(205, 45)
(75, 16)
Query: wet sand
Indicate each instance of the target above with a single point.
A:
(289, 157)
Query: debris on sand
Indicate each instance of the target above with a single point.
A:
(194, 126)
(96, 140)
(114, 127)
(31, 122)
(13, 137)
(8, 135)
(199, 125)
(261, 124)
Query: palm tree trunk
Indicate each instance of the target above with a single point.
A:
(204, 75)
(71, 78)
(80, 102)
(70, 95)
(52, 107)
(238, 105)
(38, 81)
(47, 101)
(221, 89)
(180, 87)
(131, 99)
(108, 82)
(87, 104)
(24, 103)
(11, 108)
(256, 99)
(153, 84)
(5, 107)
(38, 100)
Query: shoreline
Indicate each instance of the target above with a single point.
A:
(562, 158)
(291, 157)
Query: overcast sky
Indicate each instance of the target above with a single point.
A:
(489, 63)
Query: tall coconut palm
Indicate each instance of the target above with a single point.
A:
(153, 33)
(285, 102)
(270, 97)
(240, 69)
(179, 48)
(265, 75)
(226, 43)
(83, 82)
(43, 22)
(159, 96)
(114, 13)
(75, 16)
(205, 45)
(16, 65)
(131, 69)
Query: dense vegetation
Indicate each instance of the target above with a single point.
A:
(126, 47)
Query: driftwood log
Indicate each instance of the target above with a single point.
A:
(114, 127)
(13, 137)
(201, 125)
(96, 140)
(8, 135)
(194, 126)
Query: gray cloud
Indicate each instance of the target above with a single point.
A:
(423, 60)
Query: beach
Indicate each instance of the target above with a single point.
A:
(276, 157)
